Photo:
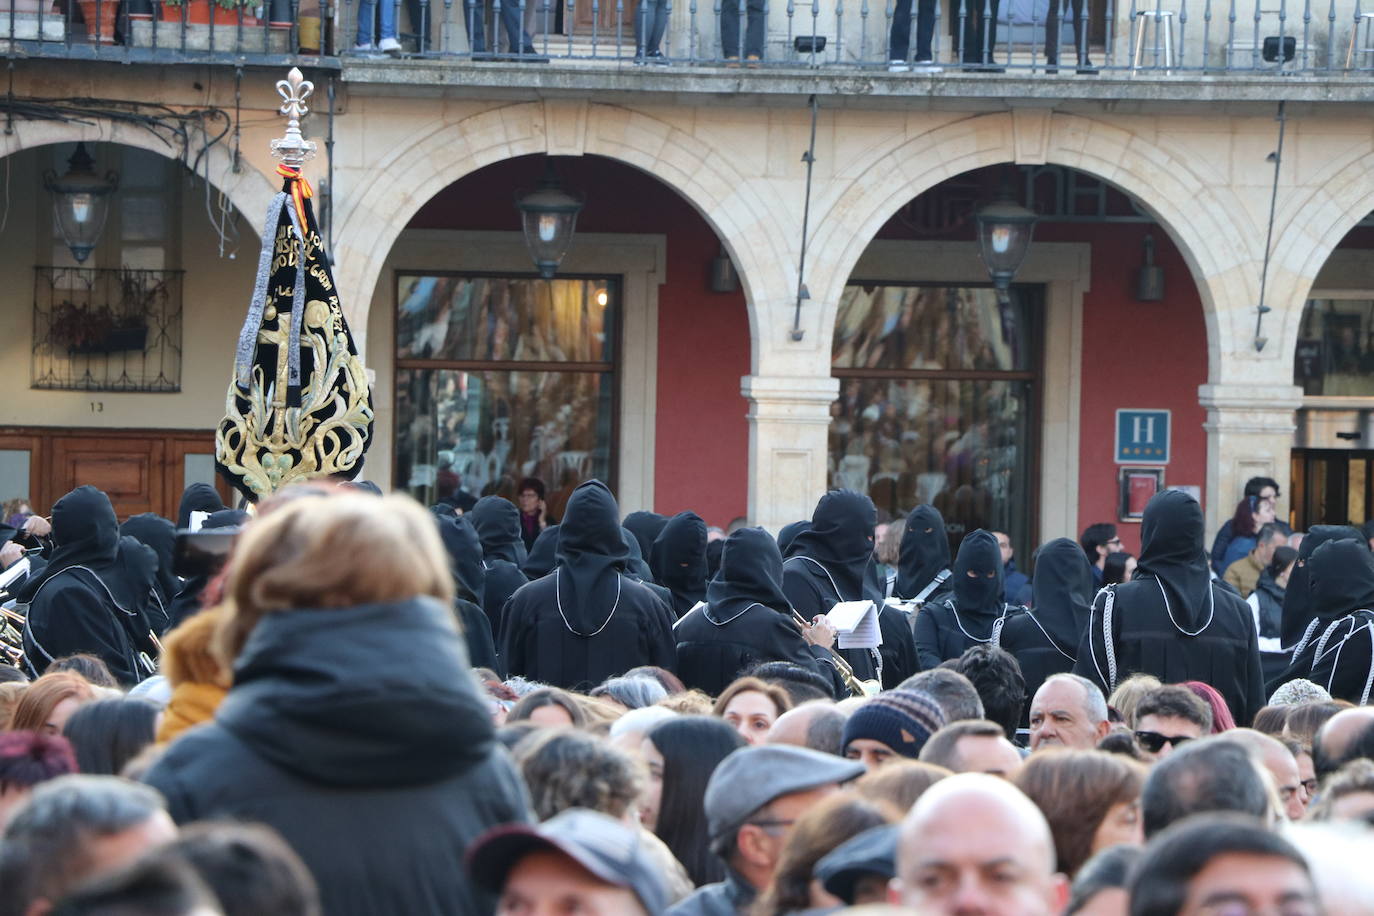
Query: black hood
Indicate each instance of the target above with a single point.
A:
(924, 551)
(1172, 553)
(840, 539)
(636, 565)
(1297, 610)
(750, 574)
(1340, 578)
(543, 555)
(497, 521)
(788, 535)
(679, 560)
(377, 695)
(591, 556)
(464, 556)
(646, 527)
(85, 532)
(979, 594)
(198, 497)
(1062, 591)
(159, 535)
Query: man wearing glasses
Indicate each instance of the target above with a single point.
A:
(1098, 542)
(1169, 716)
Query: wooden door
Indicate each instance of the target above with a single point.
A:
(605, 16)
(132, 470)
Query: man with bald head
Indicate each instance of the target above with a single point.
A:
(1068, 711)
(974, 844)
(1280, 763)
(1335, 742)
(817, 725)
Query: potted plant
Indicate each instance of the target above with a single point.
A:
(81, 330)
(205, 12)
(99, 16)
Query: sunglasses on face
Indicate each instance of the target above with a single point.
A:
(1153, 741)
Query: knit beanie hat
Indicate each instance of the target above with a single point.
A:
(902, 719)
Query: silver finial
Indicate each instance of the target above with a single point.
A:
(294, 149)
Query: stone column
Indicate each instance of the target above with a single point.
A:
(789, 418)
(1249, 434)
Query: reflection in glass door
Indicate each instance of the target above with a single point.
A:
(938, 388)
(1331, 487)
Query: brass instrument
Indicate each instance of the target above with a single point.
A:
(857, 686)
(11, 633)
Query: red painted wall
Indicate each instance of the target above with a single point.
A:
(701, 455)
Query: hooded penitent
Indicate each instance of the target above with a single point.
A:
(98, 592)
(543, 555)
(299, 406)
(591, 557)
(924, 552)
(464, 551)
(1339, 652)
(679, 560)
(977, 577)
(750, 575)
(159, 535)
(189, 600)
(1297, 613)
(1172, 553)
(497, 521)
(789, 533)
(840, 539)
(1045, 640)
(646, 527)
(198, 498)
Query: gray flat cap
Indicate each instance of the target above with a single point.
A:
(751, 777)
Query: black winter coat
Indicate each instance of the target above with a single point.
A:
(538, 645)
(360, 735)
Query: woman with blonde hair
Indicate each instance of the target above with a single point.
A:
(1128, 694)
(49, 702)
(1090, 798)
(353, 714)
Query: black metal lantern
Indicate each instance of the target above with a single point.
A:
(81, 201)
(1004, 236)
(549, 218)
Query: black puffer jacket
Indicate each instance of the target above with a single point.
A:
(360, 735)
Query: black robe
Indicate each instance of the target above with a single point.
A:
(973, 613)
(829, 561)
(1298, 618)
(469, 578)
(745, 621)
(198, 497)
(646, 527)
(1339, 653)
(542, 555)
(189, 601)
(678, 559)
(1172, 620)
(586, 621)
(160, 536)
(497, 523)
(636, 567)
(96, 595)
(924, 555)
(898, 651)
(1045, 639)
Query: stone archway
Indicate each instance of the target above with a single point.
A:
(249, 190)
(399, 184)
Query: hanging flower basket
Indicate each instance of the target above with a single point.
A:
(86, 331)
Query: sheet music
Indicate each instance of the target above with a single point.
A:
(856, 622)
(15, 573)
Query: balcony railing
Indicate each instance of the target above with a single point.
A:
(1320, 38)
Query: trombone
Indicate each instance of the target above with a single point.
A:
(857, 686)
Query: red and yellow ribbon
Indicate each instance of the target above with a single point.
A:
(300, 189)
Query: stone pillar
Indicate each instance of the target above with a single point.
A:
(789, 418)
(1249, 434)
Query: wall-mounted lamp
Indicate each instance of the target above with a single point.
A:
(80, 202)
(1005, 229)
(1149, 280)
(724, 278)
(548, 215)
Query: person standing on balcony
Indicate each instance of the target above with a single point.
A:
(368, 11)
(1053, 34)
(753, 14)
(899, 38)
(978, 23)
(651, 21)
(511, 13)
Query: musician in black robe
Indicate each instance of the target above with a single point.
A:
(497, 522)
(747, 620)
(198, 498)
(1339, 653)
(191, 599)
(974, 612)
(829, 562)
(637, 568)
(678, 560)
(1172, 620)
(789, 533)
(464, 551)
(646, 527)
(1298, 619)
(96, 595)
(923, 562)
(160, 536)
(1045, 639)
(542, 556)
(587, 621)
